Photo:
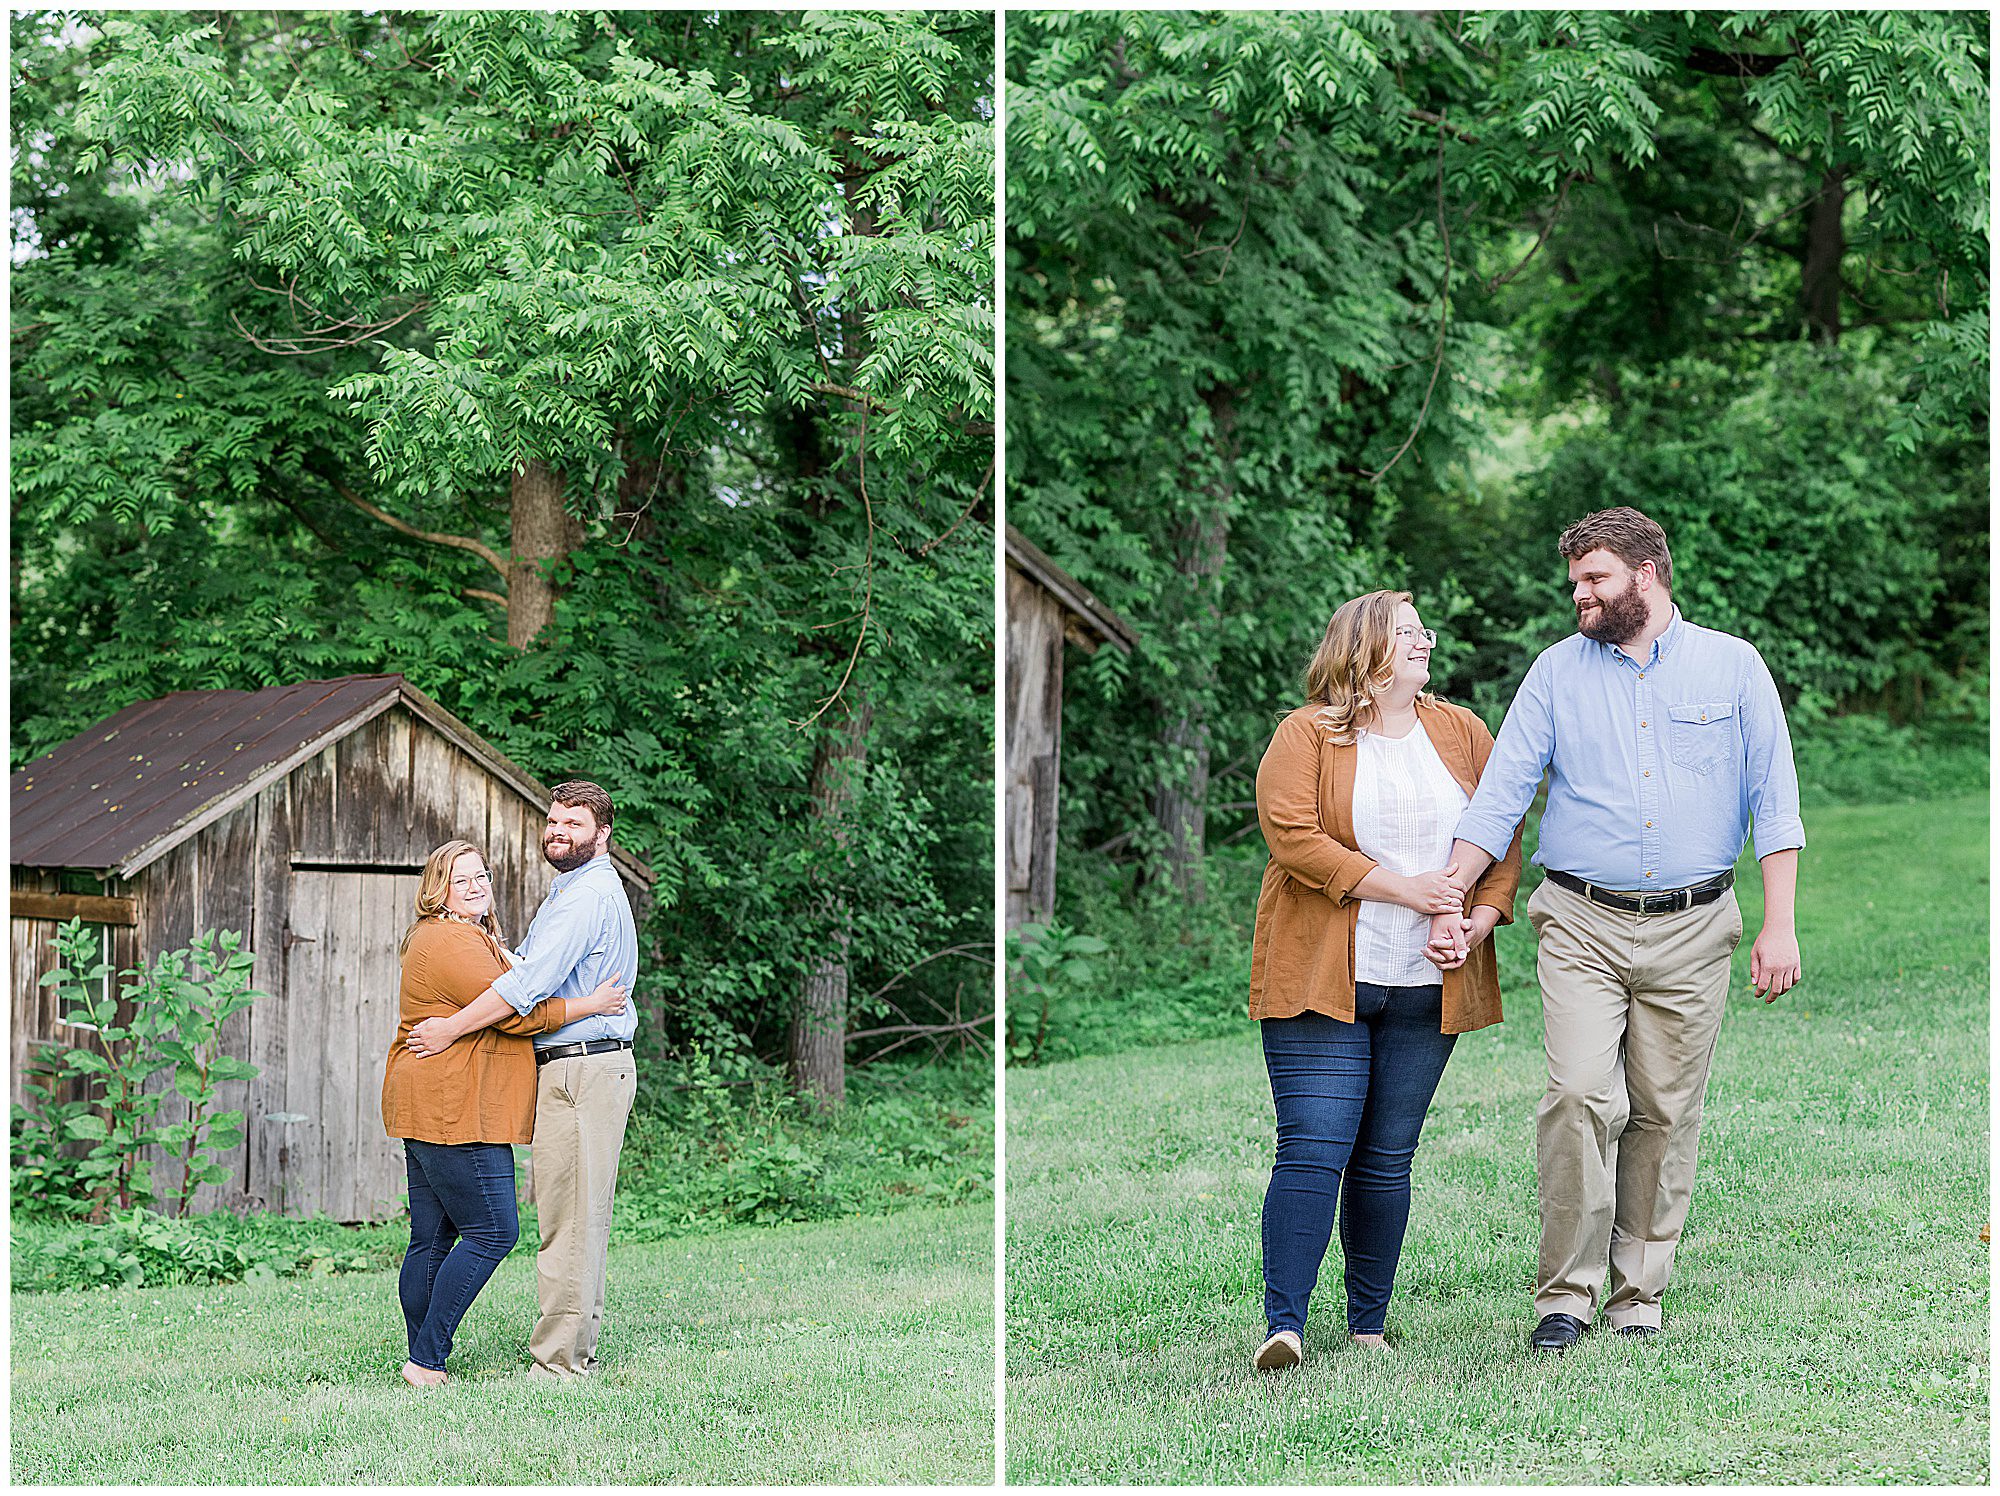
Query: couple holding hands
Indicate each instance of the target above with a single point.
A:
(1394, 825)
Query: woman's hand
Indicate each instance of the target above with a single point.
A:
(607, 1000)
(1433, 893)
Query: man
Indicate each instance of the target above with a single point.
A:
(1668, 746)
(584, 1073)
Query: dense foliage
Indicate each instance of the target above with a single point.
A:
(1302, 305)
(624, 379)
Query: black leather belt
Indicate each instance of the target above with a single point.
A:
(1666, 901)
(571, 1051)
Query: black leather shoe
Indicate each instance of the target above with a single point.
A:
(1557, 1332)
(1638, 1332)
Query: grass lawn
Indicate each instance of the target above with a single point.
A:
(1828, 1316)
(848, 1352)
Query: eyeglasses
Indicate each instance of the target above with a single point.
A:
(477, 880)
(1429, 636)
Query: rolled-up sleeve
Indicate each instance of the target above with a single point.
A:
(558, 940)
(1288, 812)
(1513, 771)
(1770, 777)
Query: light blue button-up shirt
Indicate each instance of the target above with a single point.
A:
(1659, 767)
(582, 934)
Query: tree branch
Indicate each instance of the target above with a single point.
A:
(1228, 250)
(921, 1029)
(324, 341)
(930, 545)
(1444, 321)
(478, 548)
(1719, 64)
(868, 582)
(1554, 213)
(1444, 124)
(847, 392)
(976, 952)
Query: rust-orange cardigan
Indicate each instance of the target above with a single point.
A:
(1302, 955)
(482, 1089)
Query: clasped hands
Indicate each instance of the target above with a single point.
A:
(1454, 929)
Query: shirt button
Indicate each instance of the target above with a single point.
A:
(1642, 722)
(1649, 825)
(1649, 773)
(1649, 875)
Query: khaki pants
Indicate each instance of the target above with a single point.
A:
(1632, 1005)
(581, 1106)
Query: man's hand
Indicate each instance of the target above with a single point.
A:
(431, 1037)
(1774, 962)
(1447, 947)
(1454, 937)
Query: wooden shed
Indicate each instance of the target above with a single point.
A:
(1046, 606)
(300, 815)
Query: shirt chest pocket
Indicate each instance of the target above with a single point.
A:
(1701, 734)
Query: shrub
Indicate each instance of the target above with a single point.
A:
(1168, 974)
(702, 1153)
(1861, 758)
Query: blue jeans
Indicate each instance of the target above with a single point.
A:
(463, 1222)
(1351, 1099)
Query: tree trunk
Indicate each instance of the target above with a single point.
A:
(1180, 799)
(1826, 246)
(816, 1048)
(543, 535)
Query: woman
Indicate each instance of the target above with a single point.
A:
(1358, 795)
(460, 1112)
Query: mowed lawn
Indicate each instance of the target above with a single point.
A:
(853, 1352)
(1828, 1318)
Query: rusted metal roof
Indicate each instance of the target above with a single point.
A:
(144, 780)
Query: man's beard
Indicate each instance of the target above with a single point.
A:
(1619, 620)
(579, 853)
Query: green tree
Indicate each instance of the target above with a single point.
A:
(484, 346)
(1307, 304)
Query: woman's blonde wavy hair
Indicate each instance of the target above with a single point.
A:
(436, 883)
(1354, 664)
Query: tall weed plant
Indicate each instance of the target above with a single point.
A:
(86, 1136)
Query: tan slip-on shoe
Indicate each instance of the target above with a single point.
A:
(1280, 1351)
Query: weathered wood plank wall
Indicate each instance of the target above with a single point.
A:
(1034, 746)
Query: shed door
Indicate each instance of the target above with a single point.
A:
(342, 978)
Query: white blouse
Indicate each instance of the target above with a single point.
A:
(1406, 805)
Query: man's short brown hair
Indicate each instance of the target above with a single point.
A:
(581, 793)
(1627, 534)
